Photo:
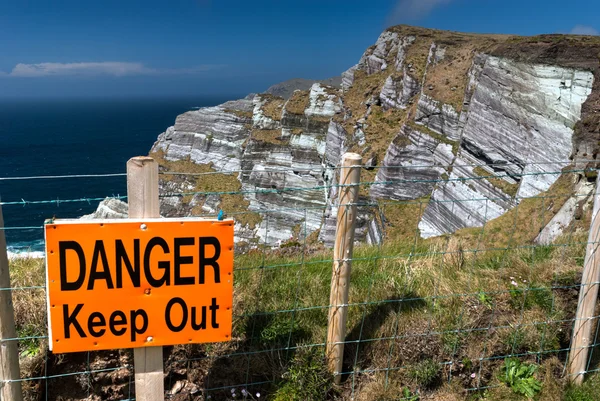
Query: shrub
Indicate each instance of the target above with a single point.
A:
(307, 377)
(520, 377)
(425, 373)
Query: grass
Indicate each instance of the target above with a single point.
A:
(416, 57)
(30, 303)
(362, 89)
(298, 103)
(448, 78)
(402, 218)
(382, 128)
(273, 107)
(501, 184)
(307, 378)
(412, 305)
(269, 136)
(587, 392)
(522, 224)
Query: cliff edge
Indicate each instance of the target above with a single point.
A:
(444, 116)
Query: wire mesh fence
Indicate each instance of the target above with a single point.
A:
(452, 291)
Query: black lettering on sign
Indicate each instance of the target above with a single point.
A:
(99, 252)
(214, 307)
(202, 325)
(63, 247)
(113, 323)
(170, 325)
(72, 320)
(123, 258)
(182, 260)
(92, 324)
(165, 265)
(135, 330)
(212, 261)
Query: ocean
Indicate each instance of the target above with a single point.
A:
(66, 137)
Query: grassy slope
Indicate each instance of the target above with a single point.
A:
(425, 311)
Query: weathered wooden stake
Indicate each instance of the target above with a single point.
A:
(588, 294)
(342, 262)
(9, 352)
(142, 195)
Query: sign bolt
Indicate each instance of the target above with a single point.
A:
(143, 226)
(149, 339)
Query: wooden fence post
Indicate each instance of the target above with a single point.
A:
(342, 261)
(585, 319)
(9, 352)
(142, 195)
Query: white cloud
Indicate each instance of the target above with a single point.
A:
(110, 68)
(414, 9)
(584, 30)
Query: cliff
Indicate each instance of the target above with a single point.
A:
(445, 116)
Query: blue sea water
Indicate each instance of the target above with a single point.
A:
(63, 137)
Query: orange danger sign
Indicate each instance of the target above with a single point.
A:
(132, 283)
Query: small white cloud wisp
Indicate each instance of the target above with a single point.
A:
(109, 68)
(585, 30)
(414, 9)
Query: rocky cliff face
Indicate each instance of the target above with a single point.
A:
(469, 125)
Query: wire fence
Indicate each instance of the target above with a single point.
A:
(449, 286)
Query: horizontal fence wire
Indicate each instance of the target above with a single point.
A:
(424, 314)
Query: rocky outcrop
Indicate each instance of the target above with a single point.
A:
(523, 114)
(463, 200)
(410, 169)
(475, 123)
(572, 209)
(399, 92)
(109, 208)
(376, 58)
(438, 117)
(209, 135)
(322, 103)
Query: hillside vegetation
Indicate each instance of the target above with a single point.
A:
(434, 319)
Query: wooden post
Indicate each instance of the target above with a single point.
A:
(9, 352)
(342, 262)
(142, 195)
(588, 294)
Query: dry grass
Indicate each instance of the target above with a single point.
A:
(363, 88)
(402, 218)
(273, 108)
(416, 57)
(269, 136)
(501, 184)
(382, 128)
(522, 224)
(448, 78)
(298, 102)
(30, 319)
(29, 303)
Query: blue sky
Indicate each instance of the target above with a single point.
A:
(105, 48)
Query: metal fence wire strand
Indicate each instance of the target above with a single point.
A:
(446, 288)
